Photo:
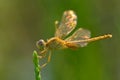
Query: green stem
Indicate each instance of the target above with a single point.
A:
(36, 66)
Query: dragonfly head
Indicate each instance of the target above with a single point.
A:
(40, 44)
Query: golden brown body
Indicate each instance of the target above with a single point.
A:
(80, 38)
(57, 43)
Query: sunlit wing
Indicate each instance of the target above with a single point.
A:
(67, 24)
(80, 34)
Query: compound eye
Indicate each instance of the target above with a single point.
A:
(40, 44)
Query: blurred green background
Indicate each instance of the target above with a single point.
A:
(23, 22)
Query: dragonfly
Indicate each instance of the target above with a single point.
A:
(62, 40)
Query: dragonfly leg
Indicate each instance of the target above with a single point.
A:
(48, 60)
(42, 54)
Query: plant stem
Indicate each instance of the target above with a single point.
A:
(36, 66)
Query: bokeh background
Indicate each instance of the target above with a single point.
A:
(23, 22)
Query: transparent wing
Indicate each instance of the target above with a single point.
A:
(67, 24)
(80, 34)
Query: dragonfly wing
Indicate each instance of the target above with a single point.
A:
(67, 24)
(80, 34)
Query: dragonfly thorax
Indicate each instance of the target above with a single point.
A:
(55, 43)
